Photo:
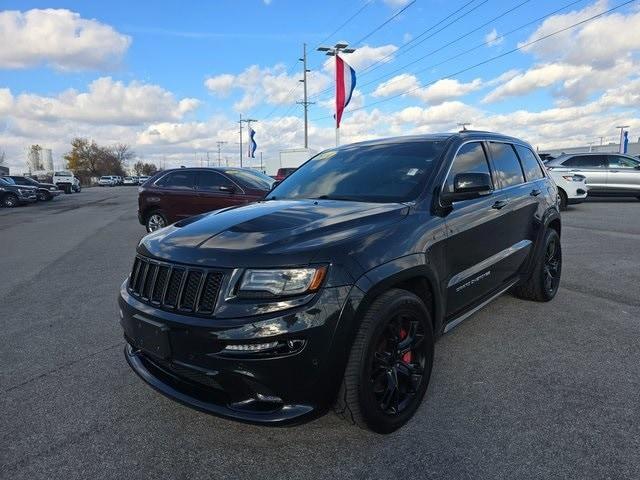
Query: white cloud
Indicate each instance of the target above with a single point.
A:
(599, 42)
(272, 85)
(220, 85)
(60, 38)
(106, 102)
(540, 76)
(434, 94)
(396, 3)
(492, 38)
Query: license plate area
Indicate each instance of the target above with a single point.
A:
(149, 336)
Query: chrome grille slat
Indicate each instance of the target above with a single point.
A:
(171, 287)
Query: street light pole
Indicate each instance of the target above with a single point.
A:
(248, 122)
(333, 52)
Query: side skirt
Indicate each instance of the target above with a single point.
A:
(458, 320)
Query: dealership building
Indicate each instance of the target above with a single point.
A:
(633, 149)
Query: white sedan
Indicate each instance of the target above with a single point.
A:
(572, 187)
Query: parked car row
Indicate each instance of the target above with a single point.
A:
(114, 180)
(19, 190)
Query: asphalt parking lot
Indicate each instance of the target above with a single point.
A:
(520, 390)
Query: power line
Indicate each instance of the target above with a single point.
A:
(385, 22)
(491, 59)
(439, 49)
(502, 36)
(346, 22)
(381, 61)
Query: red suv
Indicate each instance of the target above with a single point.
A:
(172, 195)
(284, 173)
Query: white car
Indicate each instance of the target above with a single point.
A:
(107, 181)
(130, 181)
(572, 187)
(142, 179)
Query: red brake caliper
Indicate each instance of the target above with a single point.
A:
(406, 358)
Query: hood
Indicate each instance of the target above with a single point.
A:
(271, 233)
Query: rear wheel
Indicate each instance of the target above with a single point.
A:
(155, 220)
(564, 201)
(389, 364)
(545, 280)
(10, 200)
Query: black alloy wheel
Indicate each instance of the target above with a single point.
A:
(389, 365)
(552, 266)
(397, 364)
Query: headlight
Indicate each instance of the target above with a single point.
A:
(574, 178)
(282, 282)
(24, 191)
(53, 189)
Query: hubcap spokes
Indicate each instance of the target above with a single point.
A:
(398, 365)
(155, 222)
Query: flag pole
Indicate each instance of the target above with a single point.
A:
(337, 126)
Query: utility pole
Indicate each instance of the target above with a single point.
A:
(261, 161)
(220, 143)
(333, 52)
(248, 122)
(305, 103)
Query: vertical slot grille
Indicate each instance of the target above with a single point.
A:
(192, 290)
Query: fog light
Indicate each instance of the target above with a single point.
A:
(250, 347)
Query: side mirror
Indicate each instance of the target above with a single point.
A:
(467, 186)
(226, 189)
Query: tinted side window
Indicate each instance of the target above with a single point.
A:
(178, 180)
(506, 163)
(530, 165)
(212, 181)
(470, 159)
(616, 161)
(585, 161)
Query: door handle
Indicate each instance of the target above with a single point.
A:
(535, 192)
(500, 204)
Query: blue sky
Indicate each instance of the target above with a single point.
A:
(177, 74)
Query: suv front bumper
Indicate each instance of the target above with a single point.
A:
(184, 358)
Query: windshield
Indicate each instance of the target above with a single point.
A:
(105, 178)
(392, 172)
(250, 178)
(62, 174)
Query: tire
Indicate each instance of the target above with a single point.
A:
(543, 284)
(10, 200)
(43, 196)
(67, 189)
(564, 201)
(155, 219)
(383, 387)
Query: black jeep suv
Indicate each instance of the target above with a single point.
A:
(332, 290)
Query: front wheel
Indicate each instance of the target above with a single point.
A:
(155, 220)
(564, 200)
(43, 196)
(389, 364)
(543, 284)
(10, 200)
